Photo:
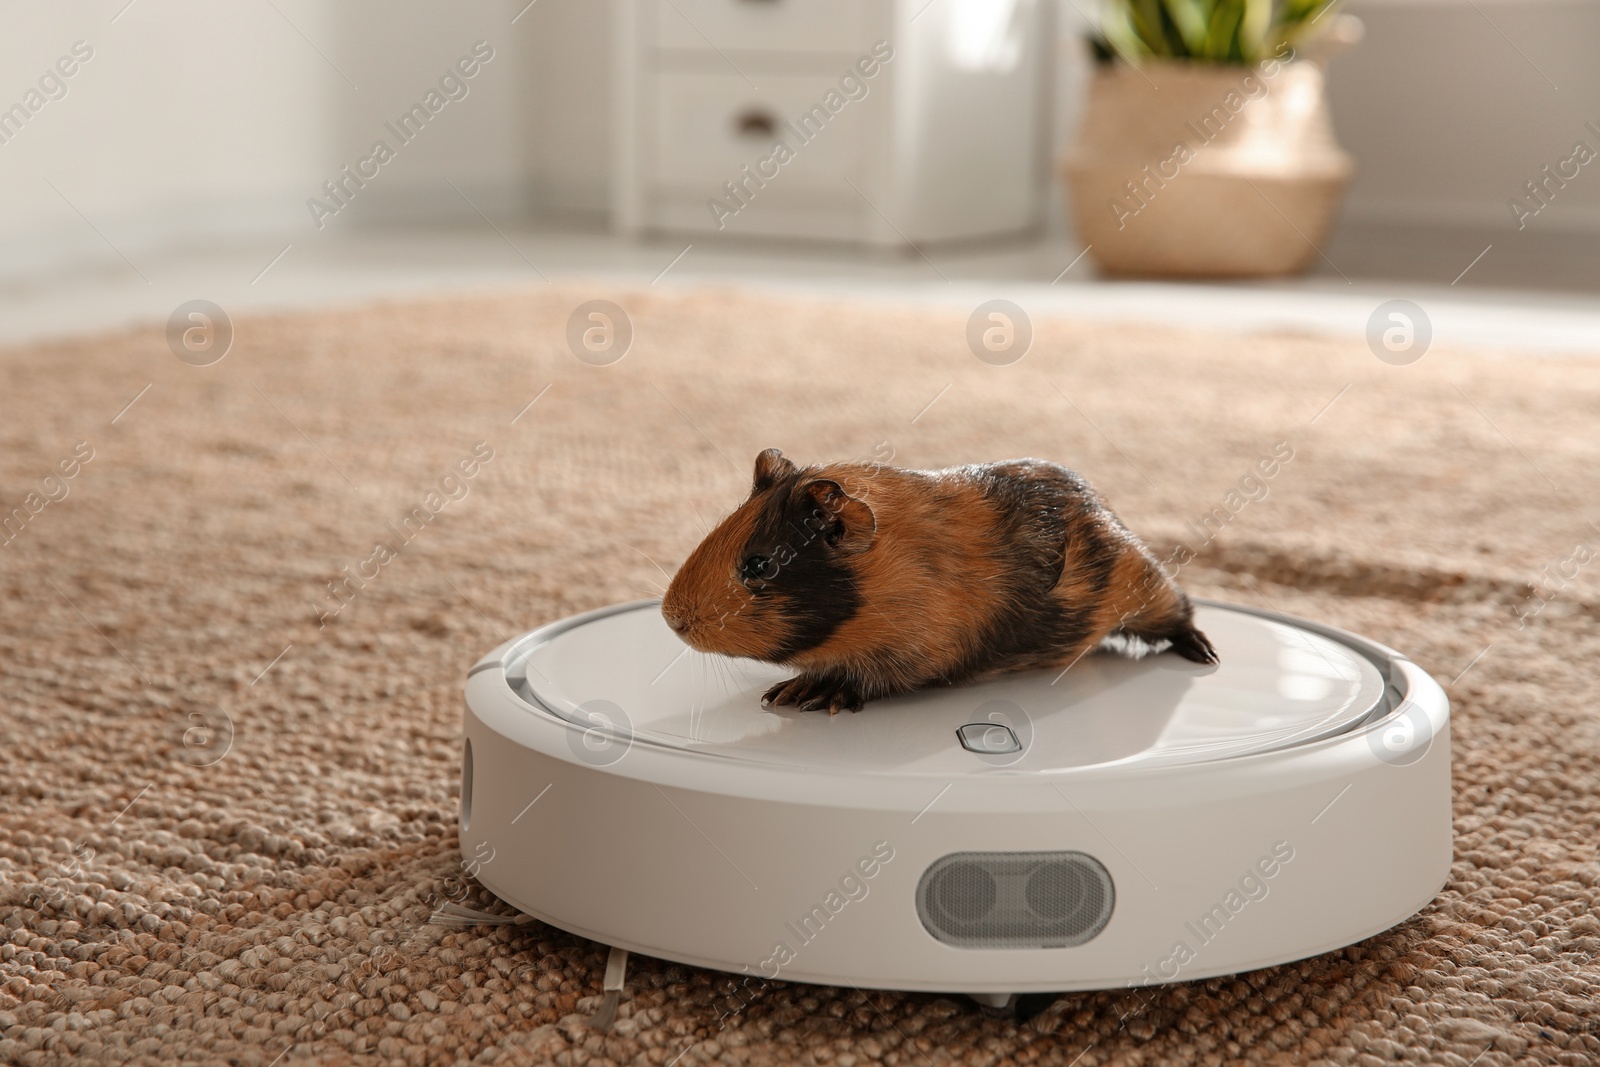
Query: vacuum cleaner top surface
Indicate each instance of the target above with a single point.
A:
(623, 671)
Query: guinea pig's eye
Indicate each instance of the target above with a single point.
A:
(757, 567)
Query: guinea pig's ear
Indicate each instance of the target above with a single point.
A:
(770, 467)
(848, 523)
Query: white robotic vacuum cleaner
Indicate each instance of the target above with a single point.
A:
(1128, 821)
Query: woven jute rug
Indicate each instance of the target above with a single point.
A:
(229, 789)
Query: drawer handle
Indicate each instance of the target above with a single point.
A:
(755, 123)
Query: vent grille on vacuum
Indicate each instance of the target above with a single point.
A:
(1015, 899)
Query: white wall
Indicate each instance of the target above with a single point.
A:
(149, 133)
(569, 103)
(196, 120)
(1448, 109)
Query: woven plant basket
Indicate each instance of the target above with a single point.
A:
(1200, 170)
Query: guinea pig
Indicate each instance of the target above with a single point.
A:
(871, 580)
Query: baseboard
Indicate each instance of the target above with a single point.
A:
(1471, 215)
(30, 254)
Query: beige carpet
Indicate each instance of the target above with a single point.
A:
(171, 894)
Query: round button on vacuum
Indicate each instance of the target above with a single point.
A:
(988, 738)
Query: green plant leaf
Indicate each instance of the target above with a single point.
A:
(1116, 24)
(1145, 18)
(1190, 17)
(1218, 31)
(1221, 34)
(1254, 28)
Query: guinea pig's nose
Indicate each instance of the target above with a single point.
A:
(678, 622)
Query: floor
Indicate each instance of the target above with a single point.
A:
(1534, 297)
(226, 847)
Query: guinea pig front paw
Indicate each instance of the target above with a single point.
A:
(813, 692)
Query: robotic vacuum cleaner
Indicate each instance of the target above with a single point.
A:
(1128, 821)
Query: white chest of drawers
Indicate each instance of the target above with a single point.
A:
(884, 122)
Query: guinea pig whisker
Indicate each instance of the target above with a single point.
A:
(658, 566)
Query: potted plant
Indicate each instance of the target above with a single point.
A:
(1206, 147)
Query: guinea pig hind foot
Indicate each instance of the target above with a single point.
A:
(1191, 644)
(814, 692)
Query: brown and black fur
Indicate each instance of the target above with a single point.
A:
(878, 580)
